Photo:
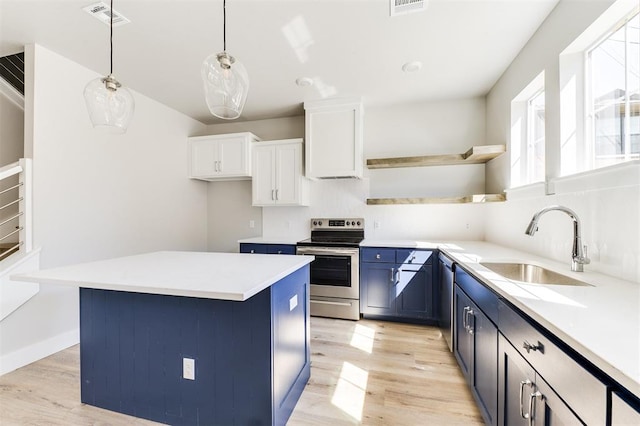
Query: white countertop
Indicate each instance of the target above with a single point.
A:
(226, 276)
(601, 322)
(272, 240)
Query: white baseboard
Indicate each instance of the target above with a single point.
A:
(37, 351)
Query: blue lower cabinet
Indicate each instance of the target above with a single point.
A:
(251, 358)
(476, 349)
(397, 284)
(267, 248)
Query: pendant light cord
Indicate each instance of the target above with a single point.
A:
(111, 39)
(224, 25)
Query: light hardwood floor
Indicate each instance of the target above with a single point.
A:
(365, 372)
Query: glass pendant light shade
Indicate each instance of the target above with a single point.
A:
(110, 105)
(226, 84)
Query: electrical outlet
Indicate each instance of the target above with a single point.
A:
(189, 368)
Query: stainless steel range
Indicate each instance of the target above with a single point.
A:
(335, 275)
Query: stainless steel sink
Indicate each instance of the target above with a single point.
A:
(531, 274)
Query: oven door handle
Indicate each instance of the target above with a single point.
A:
(327, 250)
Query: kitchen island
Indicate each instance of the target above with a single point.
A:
(192, 338)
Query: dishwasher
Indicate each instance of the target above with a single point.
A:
(445, 278)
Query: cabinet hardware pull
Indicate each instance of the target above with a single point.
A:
(252, 251)
(529, 347)
(532, 406)
(391, 276)
(378, 256)
(272, 194)
(522, 385)
(276, 194)
(464, 317)
(470, 327)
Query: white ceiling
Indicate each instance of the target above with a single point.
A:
(349, 47)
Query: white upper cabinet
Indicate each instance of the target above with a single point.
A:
(333, 133)
(277, 174)
(221, 157)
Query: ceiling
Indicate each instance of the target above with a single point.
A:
(348, 47)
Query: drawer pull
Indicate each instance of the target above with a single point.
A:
(464, 317)
(378, 256)
(529, 347)
(469, 326)
(532, 406)
(522, 385)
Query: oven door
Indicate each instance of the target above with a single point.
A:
(334, 272)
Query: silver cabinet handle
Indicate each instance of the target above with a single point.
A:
(529, 347)
(522, 385)
(391, 276)
(464, 317)
(219, 166)
(469, 326)
(279, 251)
(272, 192)
(277, 194)
(532, 406)
(252, 251)
(378, 256)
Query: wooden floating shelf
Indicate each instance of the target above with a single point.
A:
(475, 155)
(476, 198)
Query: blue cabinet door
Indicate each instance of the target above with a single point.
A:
(414, 291)
(463, 342)
(377, 288)
(484, 379)
(476, 349)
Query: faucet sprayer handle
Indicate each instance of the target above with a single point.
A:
(585, 256)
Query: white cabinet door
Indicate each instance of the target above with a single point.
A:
(288, 174)
(263, 186)
(277, 174)
(234, 156)
(221, 157)
(203, 158)
(333, 132)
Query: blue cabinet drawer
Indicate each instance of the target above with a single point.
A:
(253, 248)
(281, 249)
(481, 295)
(417, 257)
(375, 254)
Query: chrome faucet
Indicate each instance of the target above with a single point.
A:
(579, 252)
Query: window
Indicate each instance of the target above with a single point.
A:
(528, 134)
(535, 138)
(613, 96)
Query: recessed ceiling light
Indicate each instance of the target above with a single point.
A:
(412, 66)
(304, 81)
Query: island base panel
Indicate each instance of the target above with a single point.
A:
(133, 344)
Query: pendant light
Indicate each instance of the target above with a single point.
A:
(110, 105)
(226, 82)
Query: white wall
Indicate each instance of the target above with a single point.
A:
(609, 216)
(11, 131)
(97, 195)
(428, 128)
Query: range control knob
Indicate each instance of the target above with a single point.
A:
(320, 222)
(315, 222)
(358, 223)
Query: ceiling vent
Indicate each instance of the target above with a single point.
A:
(101, 11)
(402, 7)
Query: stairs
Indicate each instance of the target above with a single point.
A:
(12, 71)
